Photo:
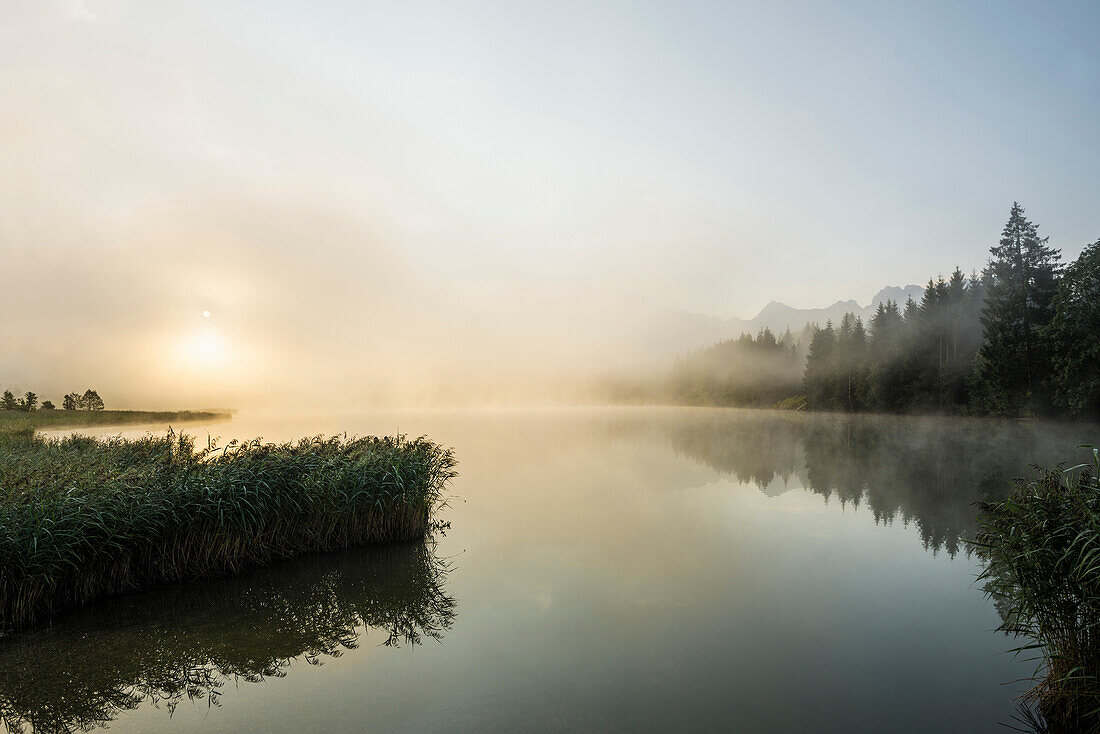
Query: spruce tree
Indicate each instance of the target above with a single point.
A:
(887, 388)
(852, 358)
(910, 312)
(820, 376)
(956, 315)
(931, 344)
(1073, 336)
(962, 336)
(1023, 275)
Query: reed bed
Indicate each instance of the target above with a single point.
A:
(82, 518)
(1041, 548)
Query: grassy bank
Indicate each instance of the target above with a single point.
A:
(1041, 547)
(12, 421)
(82, 518)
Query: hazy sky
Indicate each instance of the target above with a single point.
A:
(359, 189)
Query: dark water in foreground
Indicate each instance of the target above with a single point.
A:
(606, 570)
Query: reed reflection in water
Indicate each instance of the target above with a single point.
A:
(189, 641)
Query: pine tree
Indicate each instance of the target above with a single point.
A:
(956, 315)
(888, 386)
(1023, 277)
(851, 362)
(967, 296)
(931, 344)
(1073, 336)
(818, 379)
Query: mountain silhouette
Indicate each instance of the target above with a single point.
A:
(670, 333)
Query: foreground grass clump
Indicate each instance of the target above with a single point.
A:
(82, 518)
(1041, 547)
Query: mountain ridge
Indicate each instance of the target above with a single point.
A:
(670, 333)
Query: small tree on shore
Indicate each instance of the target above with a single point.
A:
(47, 405)
(7, 402)
(71, 402)
(90, 400)
(29, 402)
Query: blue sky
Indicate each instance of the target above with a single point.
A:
(902, 130)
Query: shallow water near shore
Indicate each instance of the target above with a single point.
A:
(613, 569)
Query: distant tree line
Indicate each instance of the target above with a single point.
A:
(749, 370)
(90, 400)
(1021, 338)
(27, 403)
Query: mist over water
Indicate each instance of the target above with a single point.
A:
(617, 569)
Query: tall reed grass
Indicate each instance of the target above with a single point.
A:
(1041, 548)
(82, 518)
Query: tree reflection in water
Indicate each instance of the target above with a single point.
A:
(188, 641)
(928, 471)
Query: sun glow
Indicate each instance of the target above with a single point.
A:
(205, 349)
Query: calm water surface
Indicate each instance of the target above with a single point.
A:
(606, 570)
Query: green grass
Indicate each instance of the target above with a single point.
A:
(1041, 548)
(84, 518)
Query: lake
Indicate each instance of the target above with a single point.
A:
(619, 569)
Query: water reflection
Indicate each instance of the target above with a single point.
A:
(188, 641)
(924, 471)
(612, 584)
